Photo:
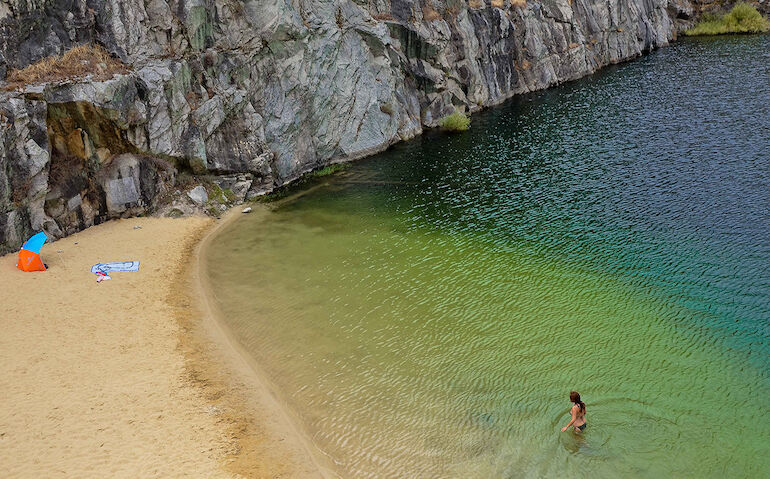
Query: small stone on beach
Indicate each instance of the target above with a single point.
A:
(246, 210)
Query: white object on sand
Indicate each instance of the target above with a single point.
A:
(246, 210)
(121, 266)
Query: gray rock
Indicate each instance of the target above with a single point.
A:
(238, 185)
(241, 188)
(74, 202)
(121, 193)
(265, 91)
(276, 88)
(198, 195)
(131, 184)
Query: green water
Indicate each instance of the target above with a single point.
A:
(426, 312)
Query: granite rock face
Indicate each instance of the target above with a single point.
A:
(24, 169)
(44, 190)
(261, 91)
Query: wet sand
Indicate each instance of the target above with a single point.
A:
(125, 378)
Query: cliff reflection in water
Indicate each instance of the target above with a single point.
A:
(427, 311)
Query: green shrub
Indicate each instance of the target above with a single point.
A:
(743, 18)
(455, 122)
(331, 169)
(229, 194)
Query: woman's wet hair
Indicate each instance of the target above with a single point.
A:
(574, 396)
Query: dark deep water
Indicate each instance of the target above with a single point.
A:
(426, 312)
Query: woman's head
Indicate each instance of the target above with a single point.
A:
(574, 396)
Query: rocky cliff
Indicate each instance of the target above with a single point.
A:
(257, 92)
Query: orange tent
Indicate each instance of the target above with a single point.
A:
(29, 256)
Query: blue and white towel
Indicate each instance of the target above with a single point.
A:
(119, 266)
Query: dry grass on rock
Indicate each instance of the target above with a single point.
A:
(82, 61)
(430, 14)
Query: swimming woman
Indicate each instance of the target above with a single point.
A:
(578, 413)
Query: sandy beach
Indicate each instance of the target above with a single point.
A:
(122, 378)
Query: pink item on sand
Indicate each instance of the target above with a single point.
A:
(102, 277)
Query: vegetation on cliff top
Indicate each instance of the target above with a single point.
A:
(455, 122)
(743, 18)
(78, 62)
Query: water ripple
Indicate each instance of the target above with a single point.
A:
(427, 313)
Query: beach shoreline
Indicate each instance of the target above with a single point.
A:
(127, 378)
(248, 390)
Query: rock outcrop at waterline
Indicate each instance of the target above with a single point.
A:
(261, 91)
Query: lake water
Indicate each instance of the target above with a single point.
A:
(426, 312)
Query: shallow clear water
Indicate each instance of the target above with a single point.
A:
(426, 312)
